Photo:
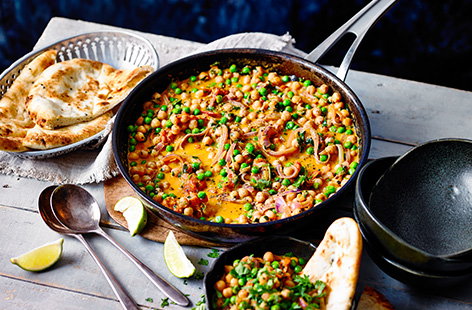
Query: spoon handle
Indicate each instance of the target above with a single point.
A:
(168, 289)
(117, 288)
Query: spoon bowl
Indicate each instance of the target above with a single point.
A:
(46, 213)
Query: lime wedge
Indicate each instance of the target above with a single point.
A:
(40, 258)
(176, 260)
(134, 213)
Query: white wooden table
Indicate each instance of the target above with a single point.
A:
(402, 113)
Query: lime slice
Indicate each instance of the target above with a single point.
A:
(176, 260)
(134, 213)
(40, 258)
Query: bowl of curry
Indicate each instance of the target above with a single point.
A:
(240, 143)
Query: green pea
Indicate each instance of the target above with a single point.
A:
(354, 164)
(132, 148)
(133, 141)
(194, 90)
(195, 130)
(310, 151)
(228, 81)
(272, 191)
(286, 102)
(193, 78)
(196, 112)
(318, 200)
(336, 141)
(219, 219)
(307, 83)
(244, 165)
(169, 148)
(324, 110)
(341, 129)
(289, 109)
(190, 140)
(290, 125)
(223, 120)
(201, 195)
(236, 152)
(352, 170)
(234, 79)
(250, 147)
(301, 261)
(286, 182)
(285, 79)
(275, 264)
(164, 196)
(200, 176)
(219, 98)
(275, 307)
(290, 94)
(149, 187)
(297, 269)
(307, 106)
(348, 145)
(340, 170)
(176, 110)
(246, 70)
(158, 130)
(329, 190)
(223, 172)
(186, 109)
(247, 206)
(227, 146)
(173, 85)
(147, 120)
(222, 162)
(130, 128)
(195, 165)
(332, 128)
(160, 175)
(263, 91)
(233, 68)
(255, 169)
(238, 119)
(349, 132)
(133, 164)
(178, 91)
(208, 173)
(168, 124)
(323, 157)
(325, 96)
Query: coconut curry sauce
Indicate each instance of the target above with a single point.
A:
(242, 145)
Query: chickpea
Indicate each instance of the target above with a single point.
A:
(339, 105)
(239, 158)
(162, 115)
(140, 137)
(165, 168)
(252, 116)
(200, 93)
(246, 88)
(202, 75)
(276, 185)
(140, 120)
(133, 156)
(219, 79)
(265, 296)
(242, 192)
(268, 256)
(156, 96)
(207, 140)
(322, 102)
(141, 129)
(143, 154)
(220, 285)
(255, 95)
(243, 294)
(290, 196)
(302, 120)
(193, 124)
(310, 89)
(184, 118)
(155, 123)
(136, 178)
(296, 99)
(227, 292)
(261, 196)
(257, 105)
(344, 112)
(165, 185)
(146, 178)
(233, 282)
(245, 121)
(347, 121)
(352, 139)
(286, 116)
(336, 97)
(233, 195)
(234, 135)
(319, 120)
(184, 96)
(175, 129)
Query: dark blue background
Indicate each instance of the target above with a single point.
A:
(427, 41)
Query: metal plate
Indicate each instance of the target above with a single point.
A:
(121, 50)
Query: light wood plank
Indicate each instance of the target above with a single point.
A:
(76, 271)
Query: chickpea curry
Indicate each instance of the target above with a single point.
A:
(242, 145)
(270, 282)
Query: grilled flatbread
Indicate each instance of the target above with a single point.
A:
(336, 262)
(42, 139)
(79, 90)
(14, 119)
(373, 300)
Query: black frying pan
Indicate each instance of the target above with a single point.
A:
(285, 64)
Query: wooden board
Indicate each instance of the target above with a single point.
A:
(156, 228)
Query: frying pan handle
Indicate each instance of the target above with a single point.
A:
(358, 25)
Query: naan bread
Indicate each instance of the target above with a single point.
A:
(14, 119)
(336, 262)
(42, 139)
(79, 90)
(373, 300)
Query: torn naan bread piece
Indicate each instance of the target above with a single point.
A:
(79, 90)
(14, 119)
(42, 139)
(336, 262)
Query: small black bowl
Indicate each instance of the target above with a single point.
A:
(278, 245)
(412, 265)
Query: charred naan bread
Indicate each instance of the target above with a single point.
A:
(14, 119)
(373, 300)
(42, 139)
(79, 90)
(336, 262)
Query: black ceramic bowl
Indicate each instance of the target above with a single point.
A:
(285, 64)
(278, 245)
(387, 247)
